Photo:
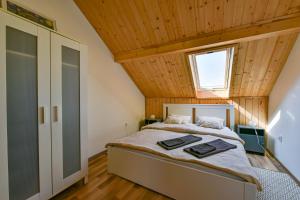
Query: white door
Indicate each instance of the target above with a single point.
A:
(25, 137)
(68, 128)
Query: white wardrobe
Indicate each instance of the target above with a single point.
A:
(43, 131)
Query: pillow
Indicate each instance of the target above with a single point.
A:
(178, 119)
(186, 119)
(210, 122)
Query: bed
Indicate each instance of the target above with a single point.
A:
(177, 176)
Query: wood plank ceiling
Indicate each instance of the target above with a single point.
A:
(126, 25)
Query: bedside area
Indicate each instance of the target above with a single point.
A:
(148, 121)
(247, 133)
(151, 121)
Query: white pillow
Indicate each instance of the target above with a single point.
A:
(178, 119)
(186, 119)
(210, 122)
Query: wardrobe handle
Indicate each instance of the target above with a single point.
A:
(55, 114)
(42, 115)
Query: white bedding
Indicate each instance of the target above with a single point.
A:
(194, 129)
(234, 161)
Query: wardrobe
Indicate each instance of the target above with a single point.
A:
(43, 133)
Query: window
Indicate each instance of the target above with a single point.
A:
(211, 70)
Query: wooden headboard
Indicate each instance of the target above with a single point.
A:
(224, 111)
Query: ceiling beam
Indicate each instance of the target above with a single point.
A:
(230, 36)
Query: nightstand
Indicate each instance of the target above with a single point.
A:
(247, 133)
(151, 121)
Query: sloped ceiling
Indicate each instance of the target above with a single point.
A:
(127, 25)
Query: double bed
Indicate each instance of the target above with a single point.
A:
(177, 174)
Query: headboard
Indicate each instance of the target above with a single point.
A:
(224, 111)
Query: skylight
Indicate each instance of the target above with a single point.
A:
(211, 70)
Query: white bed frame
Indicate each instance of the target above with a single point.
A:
(180, 180)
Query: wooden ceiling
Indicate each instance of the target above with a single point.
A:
(162, 76)
(258, 65)
(142, 25)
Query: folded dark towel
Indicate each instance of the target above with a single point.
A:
(172, 142)
(219, 145)
(203, 148)
(178, 142)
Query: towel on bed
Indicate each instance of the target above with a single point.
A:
(178, 142)
(203, 150)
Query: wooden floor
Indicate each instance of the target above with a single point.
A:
(106, 186)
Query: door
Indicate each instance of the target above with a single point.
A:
(25, 137)
(68, 136)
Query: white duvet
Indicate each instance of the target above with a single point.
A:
(233, 161)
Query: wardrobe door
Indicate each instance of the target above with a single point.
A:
(24, 103)
(69, 156)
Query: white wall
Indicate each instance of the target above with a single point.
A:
(113, 99)
(284, 114)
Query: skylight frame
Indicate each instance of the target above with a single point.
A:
(228, 68)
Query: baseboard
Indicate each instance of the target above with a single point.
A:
(97, 155)
(269, 153)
